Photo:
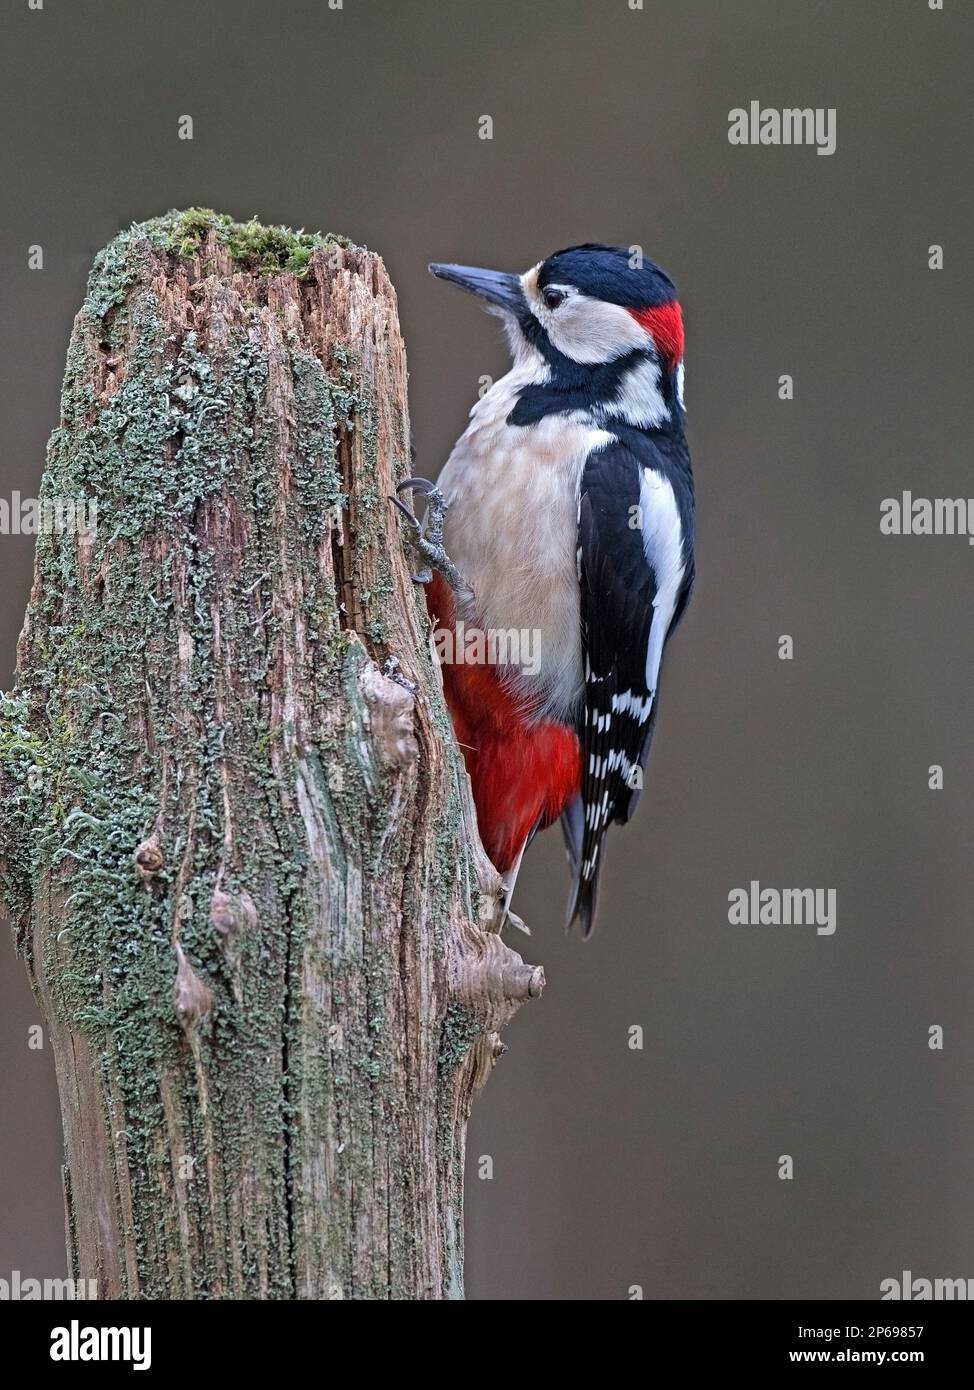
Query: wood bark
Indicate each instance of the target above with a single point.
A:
(236, 838)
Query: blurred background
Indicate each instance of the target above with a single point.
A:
(615, 1167)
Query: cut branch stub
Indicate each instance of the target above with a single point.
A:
(192, 999)
(149, 858)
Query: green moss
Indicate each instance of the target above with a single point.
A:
(459, 1030)
(190, 229)
(255, 246)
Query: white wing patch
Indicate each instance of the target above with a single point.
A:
(662, 536)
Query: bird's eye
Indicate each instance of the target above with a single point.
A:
(552, 297)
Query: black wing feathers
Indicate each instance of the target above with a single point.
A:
(618, 588)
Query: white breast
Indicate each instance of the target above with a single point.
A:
(511, 530)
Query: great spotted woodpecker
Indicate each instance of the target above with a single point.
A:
(566, 515)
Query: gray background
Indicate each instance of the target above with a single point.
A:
(614, 1167)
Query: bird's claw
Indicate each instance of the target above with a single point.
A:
(513, 920)
(429, 533)
(410, 516)
(425, 575)
(424, 486)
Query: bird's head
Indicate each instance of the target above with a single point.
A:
(584, 308)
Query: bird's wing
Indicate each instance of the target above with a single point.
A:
(635, 568)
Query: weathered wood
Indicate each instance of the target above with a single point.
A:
(237, 839)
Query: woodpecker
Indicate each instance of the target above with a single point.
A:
(564, 516)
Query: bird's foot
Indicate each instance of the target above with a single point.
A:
(429, 534)
(513, 920)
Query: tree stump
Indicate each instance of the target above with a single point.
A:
(236, 838)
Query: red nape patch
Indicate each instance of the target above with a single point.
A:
(665, 322)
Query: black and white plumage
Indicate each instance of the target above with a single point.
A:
(635, 573)
(571, 514)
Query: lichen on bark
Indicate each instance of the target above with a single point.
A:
(236, 837)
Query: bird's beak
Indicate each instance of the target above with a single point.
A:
(494, 286)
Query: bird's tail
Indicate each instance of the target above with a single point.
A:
(583, 899)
